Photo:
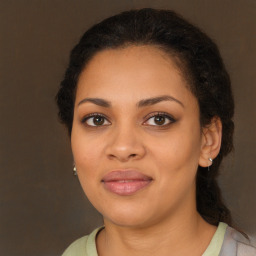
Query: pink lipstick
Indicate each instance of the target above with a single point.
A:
(125, 182)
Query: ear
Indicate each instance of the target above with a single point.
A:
(211, 142)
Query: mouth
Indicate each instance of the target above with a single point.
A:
(125, 182)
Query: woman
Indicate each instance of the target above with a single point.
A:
(148, 105)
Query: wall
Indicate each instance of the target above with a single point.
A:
(42, 205)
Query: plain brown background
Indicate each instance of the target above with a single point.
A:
(43, 208)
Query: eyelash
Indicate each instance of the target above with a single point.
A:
(155, 114)
(93, 115)
(161, 114)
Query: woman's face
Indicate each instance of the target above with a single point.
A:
(136, 136)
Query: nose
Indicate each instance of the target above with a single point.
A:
(125, 144)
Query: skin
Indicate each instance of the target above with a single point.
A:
(161, 217)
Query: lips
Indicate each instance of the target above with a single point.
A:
(125, 182)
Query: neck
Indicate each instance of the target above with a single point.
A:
(187, 235)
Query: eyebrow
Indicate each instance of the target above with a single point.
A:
(155, 100)
(96, 101)
(142, 103)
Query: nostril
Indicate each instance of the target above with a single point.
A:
(132, 155)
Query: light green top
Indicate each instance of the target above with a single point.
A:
(86, 246)
(217, 240)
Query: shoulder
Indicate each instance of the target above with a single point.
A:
(77, 248)
(236, 244)
(84, 246)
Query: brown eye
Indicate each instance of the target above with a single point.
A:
(159, 119)
(95, 120)
(98, 120)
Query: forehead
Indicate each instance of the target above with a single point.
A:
(144, 56)
(136, 71)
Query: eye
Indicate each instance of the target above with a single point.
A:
(159, 119)
(95, 120)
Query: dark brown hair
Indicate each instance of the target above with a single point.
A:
(200, 63)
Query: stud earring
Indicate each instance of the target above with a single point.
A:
(210, 159)
(74, 170)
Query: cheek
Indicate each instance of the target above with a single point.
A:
(177, 161)
(180, 148)
(177, 165)
(86, 157)
(86, 152)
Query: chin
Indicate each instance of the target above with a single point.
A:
(132, 217)
(126, 221)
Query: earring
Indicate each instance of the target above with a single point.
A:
(74, 170)
(210, 159)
